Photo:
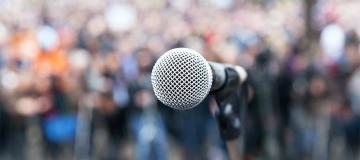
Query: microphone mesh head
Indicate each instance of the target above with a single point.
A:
(181, 78)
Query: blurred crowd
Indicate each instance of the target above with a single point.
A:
(75, 78)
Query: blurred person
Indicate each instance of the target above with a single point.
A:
(263, 107)
(318, 106)
(346, 118)
(4, 35)
(149, 129)
(292, 88)
(312, 102)
(353, 59)
(59, 121)
(3, 129)
(105, 82)
(284, 86)
(51, 67)
(146, 122)
(191, 133)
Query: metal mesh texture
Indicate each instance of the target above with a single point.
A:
(181, 78)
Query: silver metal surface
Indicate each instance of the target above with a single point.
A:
(181, 78)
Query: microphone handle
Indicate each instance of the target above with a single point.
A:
(221, 76)
(232, 102)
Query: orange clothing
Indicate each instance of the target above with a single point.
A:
(52, 62)
(24, 45)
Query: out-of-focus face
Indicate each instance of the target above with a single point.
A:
(144, 99)
(42, 84)
(317, 87)
(145, 61)
(353, 55)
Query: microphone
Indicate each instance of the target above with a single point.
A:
(182, 78)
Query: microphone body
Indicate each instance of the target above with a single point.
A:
(220, 75)
(182, 78)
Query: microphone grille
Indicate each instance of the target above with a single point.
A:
(181, 78)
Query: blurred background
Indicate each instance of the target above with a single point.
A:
(74, 78)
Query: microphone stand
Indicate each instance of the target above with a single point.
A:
(232, 102)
